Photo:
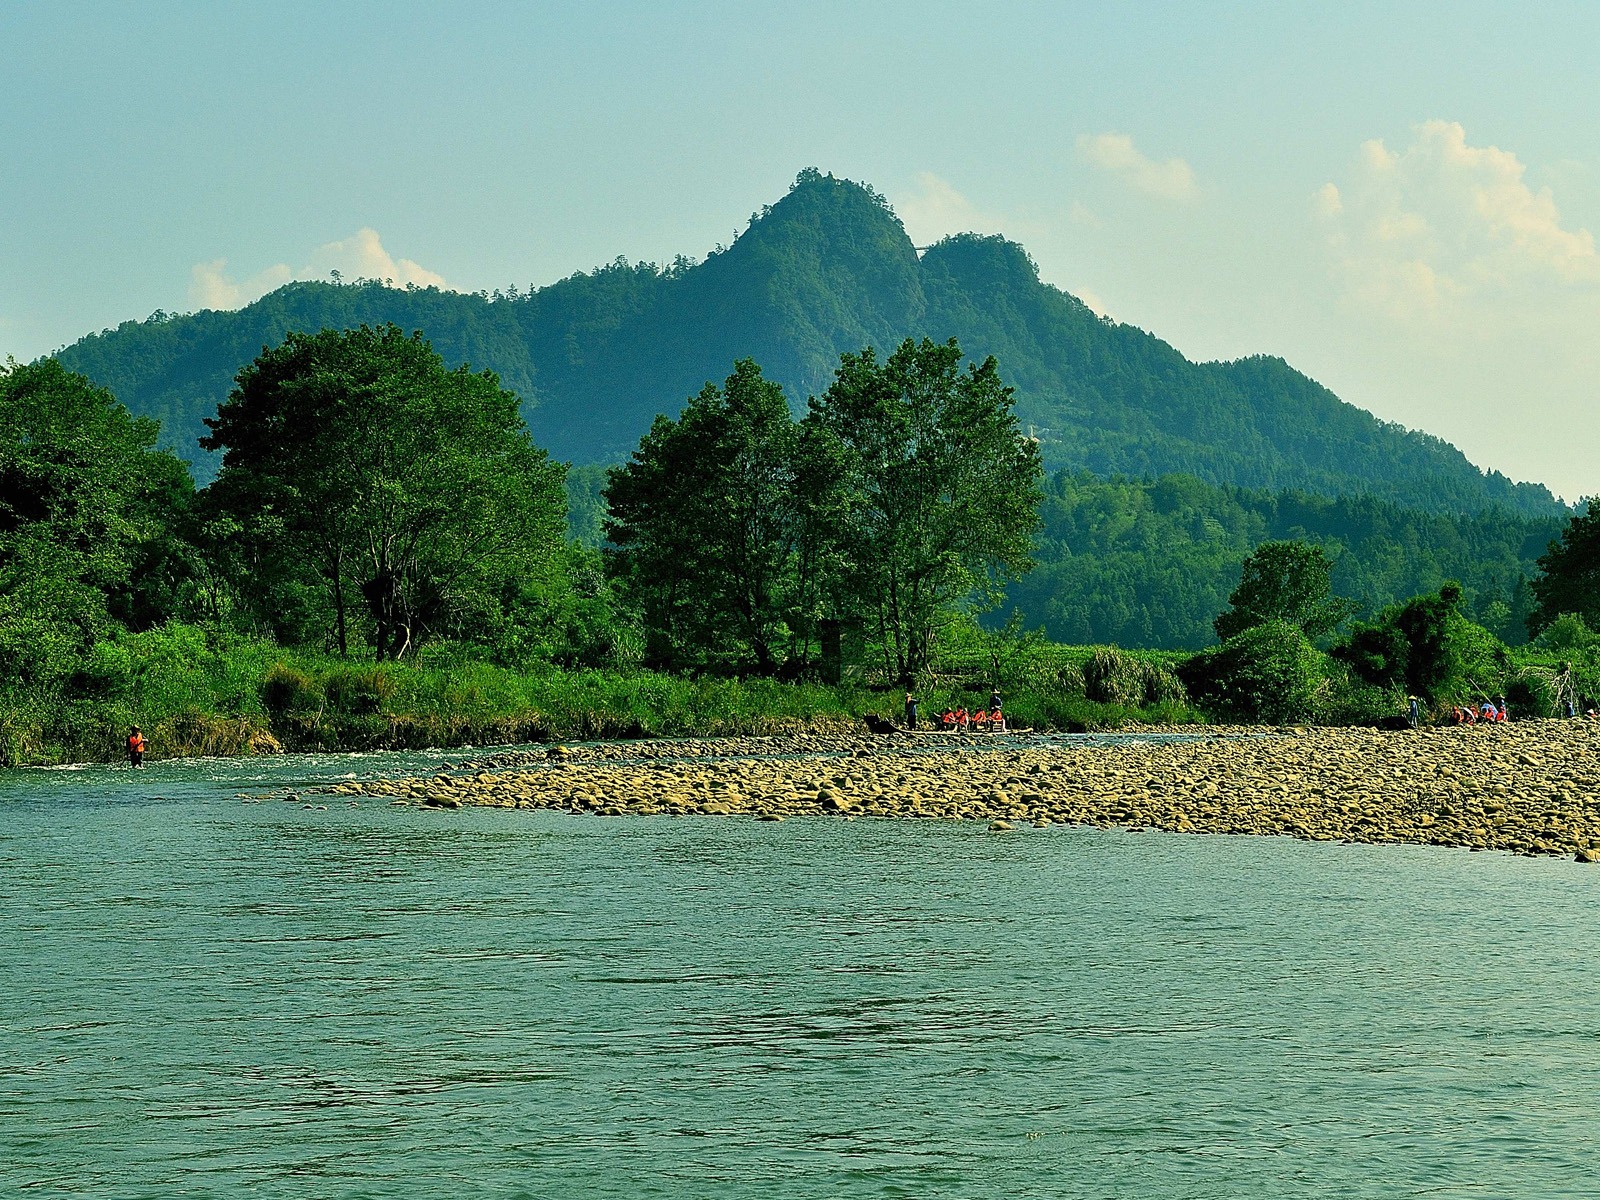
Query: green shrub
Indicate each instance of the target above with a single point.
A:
(288, 690)
(1568, 632)
(359, 691)
(1269, 673)
(1112, 676)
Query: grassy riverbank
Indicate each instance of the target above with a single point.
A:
(1528, 788)
(197, 694)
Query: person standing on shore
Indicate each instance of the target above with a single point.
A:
(1414, 713)
(136, 745)
(911, 711)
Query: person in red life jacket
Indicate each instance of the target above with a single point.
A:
(1488, 712)
(1505, 713)
(135, 747)
(997, 719)
(948, 721)
(980, 720)
(963, 721)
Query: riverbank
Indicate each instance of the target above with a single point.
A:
(1528, 788)
(195, 693)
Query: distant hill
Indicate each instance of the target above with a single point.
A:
(829, 268)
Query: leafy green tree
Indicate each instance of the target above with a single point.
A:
(704, 522)
(1267, 672)
(938, 491)
(409, 490)
(1285, 581)
(1428, 647)
(89, 511)
(1569, 574)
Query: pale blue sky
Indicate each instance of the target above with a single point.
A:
(1170, 162)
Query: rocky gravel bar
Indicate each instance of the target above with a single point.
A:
(1529, 788)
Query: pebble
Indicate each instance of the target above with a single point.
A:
(1531, 787)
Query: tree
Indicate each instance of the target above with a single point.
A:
(1427, 647)
(408, 489)
(1268, 672)
(704, 527)
(89, 511)
(1569, 574)
(938, 493)
(1285, 581)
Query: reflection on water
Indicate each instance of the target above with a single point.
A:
(213, 998)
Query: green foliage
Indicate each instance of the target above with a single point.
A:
(937, 492)
(357, 461)
(706, 530)
(87, 508)
(1568, 632)
(1285, 581)
(1268, 672)
(1113, 676)
(1569, 578)
(1428, 648)
(287, 690)
(1150, 564)
(825, 270)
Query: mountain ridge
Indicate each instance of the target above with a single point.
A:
(826, 269)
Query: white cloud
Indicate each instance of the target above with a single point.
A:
(1173, 179)
(1092, 300)
(1440, 225)
(360, 256)
(936, 210)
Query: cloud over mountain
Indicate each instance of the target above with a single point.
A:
(359, 256)
(1173, 179)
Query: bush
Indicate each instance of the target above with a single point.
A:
(1270, 673)
(1567, 633)
(359, 691)
(287, 690)
(1114, 677)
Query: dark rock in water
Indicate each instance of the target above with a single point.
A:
(878, 725)
(1586, 856)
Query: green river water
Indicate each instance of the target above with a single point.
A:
(205, 997)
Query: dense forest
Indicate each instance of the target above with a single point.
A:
(1148, 564)
(827, 270)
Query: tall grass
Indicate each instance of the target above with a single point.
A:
(196, 692)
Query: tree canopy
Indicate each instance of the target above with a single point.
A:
(939, 491)
(410, 492)
(89, 520)
(1285, 581)
(1569, 573)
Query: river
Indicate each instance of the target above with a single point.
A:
(203, 996)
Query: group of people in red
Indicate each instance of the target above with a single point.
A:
(1486, 713)
(989, 720)
(956, 719)
(984, 721)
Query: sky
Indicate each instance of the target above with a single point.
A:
(1397, 199)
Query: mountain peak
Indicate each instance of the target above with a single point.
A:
(826, 269)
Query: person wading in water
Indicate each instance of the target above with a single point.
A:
(135, 747)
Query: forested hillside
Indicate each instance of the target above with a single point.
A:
(828, 269)
(1151, 563)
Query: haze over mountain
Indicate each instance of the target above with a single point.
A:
(826, 269)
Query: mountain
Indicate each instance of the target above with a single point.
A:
(829, 268)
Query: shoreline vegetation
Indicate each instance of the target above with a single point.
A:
(1531, 788)
(196, 696)
(383, 561)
